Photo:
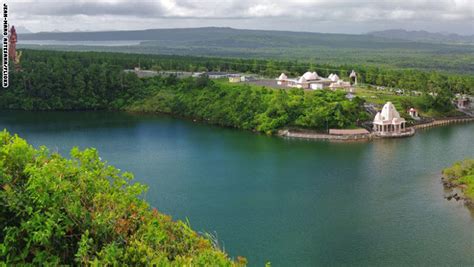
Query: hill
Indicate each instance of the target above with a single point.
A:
(424, 36)
(284, 45)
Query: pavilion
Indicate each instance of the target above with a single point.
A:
(388, 122)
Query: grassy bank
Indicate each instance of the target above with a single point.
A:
(460, 178)
(82, 211)
(250, 107)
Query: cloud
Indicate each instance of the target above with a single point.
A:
(381, 12)
(89, 8)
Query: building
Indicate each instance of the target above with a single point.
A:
(311, 80)
(388, 121)
(413, 113)
(12, 40)
(340, 84)
(463, 102)
(282, 79)
(235, 79)
(12, 53)
(353, 77)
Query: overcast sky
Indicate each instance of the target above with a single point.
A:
(340, 16)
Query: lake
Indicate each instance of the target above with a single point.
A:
(290, 202)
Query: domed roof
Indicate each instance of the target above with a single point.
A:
(389, 112)
(378, 117)
(334, 78)
(283, 77)
(310, 75)
(302, 79)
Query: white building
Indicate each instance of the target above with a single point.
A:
(413, 113)
(282, 79)
(311, 80)
(353, 77)
(388, 122)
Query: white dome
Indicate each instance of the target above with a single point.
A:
(302, 80)
(389, 112)
(334, 78)
(378, 117)
(282, 77)
(310, 76)
(315, 74)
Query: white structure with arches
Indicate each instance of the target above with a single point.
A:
(388, 122)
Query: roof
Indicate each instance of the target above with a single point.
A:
(389, 114)
(302, 79)
(283, 77)
(310, 75)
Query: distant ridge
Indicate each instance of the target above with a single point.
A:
(423, 36)
(166, 33)
(206, 33)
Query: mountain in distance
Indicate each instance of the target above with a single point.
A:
(424, 36)
(327, 48)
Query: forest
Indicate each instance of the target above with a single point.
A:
(53, 80)
(82, 211)
(306, 47)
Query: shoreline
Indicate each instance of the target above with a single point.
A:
(300, 133)
(313, 135)
(457, 183)
(456, 192)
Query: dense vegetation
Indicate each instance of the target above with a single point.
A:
(77, 80)
(250, 108)
(81, 211)
(424, 36)
(461, 175)
(317, 48)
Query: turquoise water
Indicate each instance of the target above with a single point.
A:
(290, 202)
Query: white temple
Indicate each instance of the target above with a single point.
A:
(388, 121)
(311, 80)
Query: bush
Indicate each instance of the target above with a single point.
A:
(82, 211)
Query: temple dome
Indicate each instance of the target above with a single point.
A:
(310, 75)
(389, 112)
(283, 77)
(302, 79)
(334, 78)
(378, 117)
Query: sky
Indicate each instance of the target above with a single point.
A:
(332, 16)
